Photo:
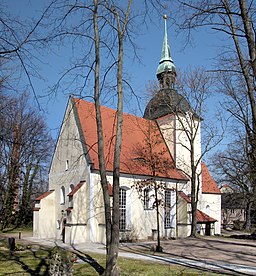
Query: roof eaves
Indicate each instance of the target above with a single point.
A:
(44, 195)
(212, 193)
(184, 196)
(76, 188)
(201, 217)
(179, 179)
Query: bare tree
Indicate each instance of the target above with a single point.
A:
(20, 45)
(235, 21)
(112, 219)
(232, 168)
(151, 155)
(195, 86)
(26, 146)
(186, 106)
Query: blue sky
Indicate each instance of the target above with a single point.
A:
(201, 53)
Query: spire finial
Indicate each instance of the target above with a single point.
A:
(165, 27)
(166, 63)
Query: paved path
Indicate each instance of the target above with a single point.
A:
(224, 255)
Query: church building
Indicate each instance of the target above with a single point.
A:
(155, 149)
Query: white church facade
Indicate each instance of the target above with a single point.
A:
(73, 209)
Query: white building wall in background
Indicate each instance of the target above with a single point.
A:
(214, 209)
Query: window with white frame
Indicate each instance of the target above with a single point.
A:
(62, 195)
(122, 207)
(167, 209)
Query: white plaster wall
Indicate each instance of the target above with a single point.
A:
(80, 205)
(36, 224)
(214, 201)
(140, 222)
(183, 218)
(144, 221)
(69, 147)
(96, 206)
(46, 224)
(78, 234)
(167, 127)
(87, 221)
(78, 228)
(183, 147)
(172, 129)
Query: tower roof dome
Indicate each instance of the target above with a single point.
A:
(166, 101)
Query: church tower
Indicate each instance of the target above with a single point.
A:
(174, 115)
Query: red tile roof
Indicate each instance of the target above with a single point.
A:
(44, 195)
(76, 188)
(208, 183)
(135, 133)
(201, 217)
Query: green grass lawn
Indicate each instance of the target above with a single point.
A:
(139, 268)
(35, 261)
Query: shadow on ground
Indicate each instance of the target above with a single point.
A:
(37, 260)
(225, 253)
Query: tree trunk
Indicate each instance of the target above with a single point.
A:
(248, 206)
(101, 155)
(193, 188)
(158, 247)
(24, 202)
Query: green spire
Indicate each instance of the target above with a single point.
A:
(166, 62)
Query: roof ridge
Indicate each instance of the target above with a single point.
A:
(114, 110)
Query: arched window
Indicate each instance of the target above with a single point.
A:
(62, 195)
